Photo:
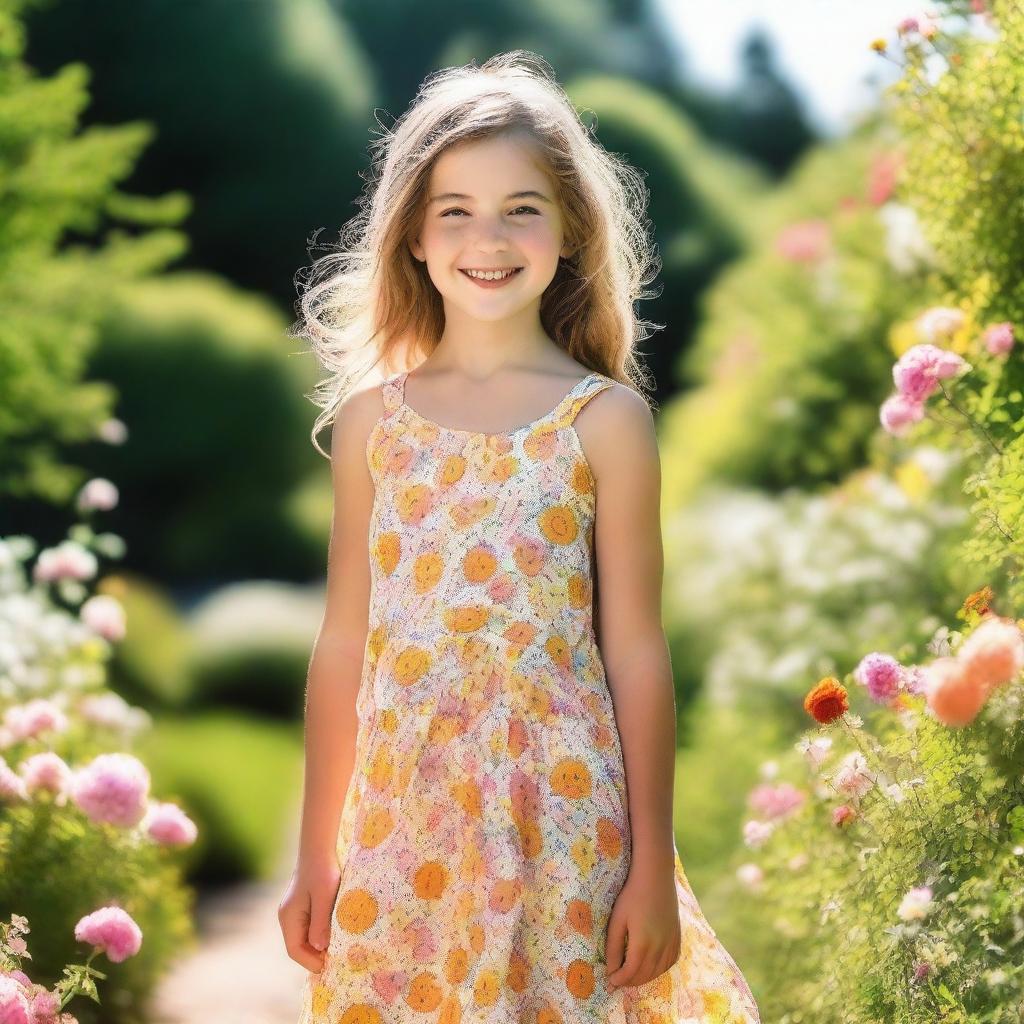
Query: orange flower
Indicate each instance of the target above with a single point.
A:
(827, 701)
(980, 602)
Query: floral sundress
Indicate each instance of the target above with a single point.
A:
(484, 836)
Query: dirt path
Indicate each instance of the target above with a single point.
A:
(240, 973)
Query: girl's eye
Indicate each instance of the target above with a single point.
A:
(514, 212)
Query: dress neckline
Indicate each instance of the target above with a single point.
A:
(514, 432)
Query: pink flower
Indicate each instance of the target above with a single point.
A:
(953, 696)
(804, 242)
(914, 679)
(880, 675)
(47, 771)
(882, 178)
(776, 802)
(898, 413)
(169, 824)
(916, 904)
(31, 720)
(97, 493)
(45, 1006)
(104, 615)
(756, 833)
(67, 561)
(918, 371)
(12, 786)
(112, 931)
(853, 777)
(999, 338)
(14, 1007)
(842, 815)
(907, 25)
(921, 970)
(114, 788)
(994, 653)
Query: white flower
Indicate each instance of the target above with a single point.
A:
(853, 776)
(916, 904)
(104, 615)
(750, 875)
(815, 750)
(98, 493)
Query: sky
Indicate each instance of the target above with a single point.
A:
(821, 47)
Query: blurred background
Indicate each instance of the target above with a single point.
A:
(170, 167)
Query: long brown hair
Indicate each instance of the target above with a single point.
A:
(368, 303)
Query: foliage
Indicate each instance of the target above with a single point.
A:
(67, 843)
(56, 180)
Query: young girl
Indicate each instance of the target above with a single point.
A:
(493, 675)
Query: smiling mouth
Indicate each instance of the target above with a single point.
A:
(505, 274)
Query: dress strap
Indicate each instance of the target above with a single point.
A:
(394, 391)
(569, 407)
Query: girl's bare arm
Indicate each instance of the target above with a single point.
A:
(618, 429)
(332, 685)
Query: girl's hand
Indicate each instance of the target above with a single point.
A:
(646, 912)
(305, 912)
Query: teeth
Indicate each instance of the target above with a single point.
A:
(490, 275)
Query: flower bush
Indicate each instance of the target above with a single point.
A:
(79, 825)
(891, 889)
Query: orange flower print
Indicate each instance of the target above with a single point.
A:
(388, 549)
(479, 564)
(579, 979)
(571, 778)
(356, 911)
(410, 665)
(471, 511)
(529, 554)
(466, 618)
(427, 570)
(452, 470)
(414, 503)
(558, 524)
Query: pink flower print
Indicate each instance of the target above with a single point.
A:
(112, 931)
(389, 984)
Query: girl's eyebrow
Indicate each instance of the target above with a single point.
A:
(529, 194)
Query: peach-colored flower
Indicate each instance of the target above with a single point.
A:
(994, 653)
(954, 697)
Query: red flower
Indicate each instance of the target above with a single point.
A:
(827, 701)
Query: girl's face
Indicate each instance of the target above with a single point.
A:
(489, 206)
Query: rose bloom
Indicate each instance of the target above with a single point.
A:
(827, 701)
(954, 696)
(994, 653)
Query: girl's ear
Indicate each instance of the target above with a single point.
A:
(416, 249)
